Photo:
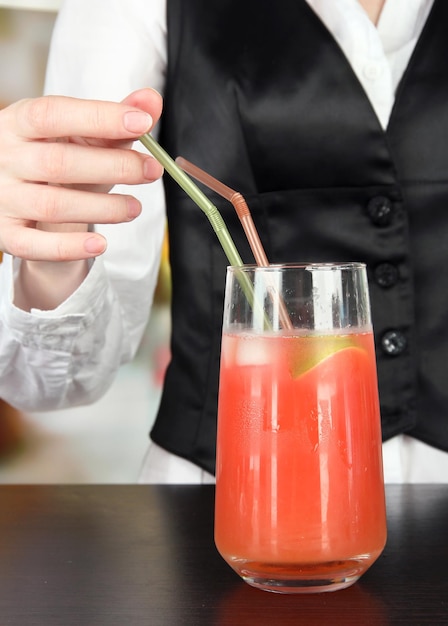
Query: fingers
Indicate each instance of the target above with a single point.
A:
(68, 163)
(83, 144)
(39, 245)
(60, 116)
(58, 205)
(69, 141)
(59, 209)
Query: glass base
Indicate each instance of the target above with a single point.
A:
(306, 578)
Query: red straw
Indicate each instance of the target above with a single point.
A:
(243, 212)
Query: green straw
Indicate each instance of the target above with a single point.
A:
(196, 195)
(209, 209)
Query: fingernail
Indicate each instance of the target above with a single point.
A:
(152, 169)
(95, 245)
(137, 121)
(134, 207)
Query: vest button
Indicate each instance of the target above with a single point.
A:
(380, 211)
(386, 275)
(393, 343)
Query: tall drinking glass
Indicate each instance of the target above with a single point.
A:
(300, 501)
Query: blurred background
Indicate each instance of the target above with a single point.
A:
(104, 442)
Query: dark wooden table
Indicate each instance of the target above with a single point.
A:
(144, 555)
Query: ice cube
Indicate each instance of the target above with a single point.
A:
(252, 351)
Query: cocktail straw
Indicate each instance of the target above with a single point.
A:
(196, 195)
(212, 213)
(243, 212)
(238, 202)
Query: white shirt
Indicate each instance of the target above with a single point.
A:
(105, 49)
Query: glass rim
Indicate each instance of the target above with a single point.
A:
(312, 266)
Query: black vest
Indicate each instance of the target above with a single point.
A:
(260, 95)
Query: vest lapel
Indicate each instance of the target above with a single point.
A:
(421, 105)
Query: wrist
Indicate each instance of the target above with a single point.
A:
(45, 285)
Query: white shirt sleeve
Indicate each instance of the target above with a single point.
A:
(52, 359)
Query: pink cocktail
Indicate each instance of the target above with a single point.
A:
(299, 495)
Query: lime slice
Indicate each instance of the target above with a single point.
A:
(311, 350)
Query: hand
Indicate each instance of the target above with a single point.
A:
(59, 157)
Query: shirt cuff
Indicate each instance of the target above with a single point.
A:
(80, 309)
